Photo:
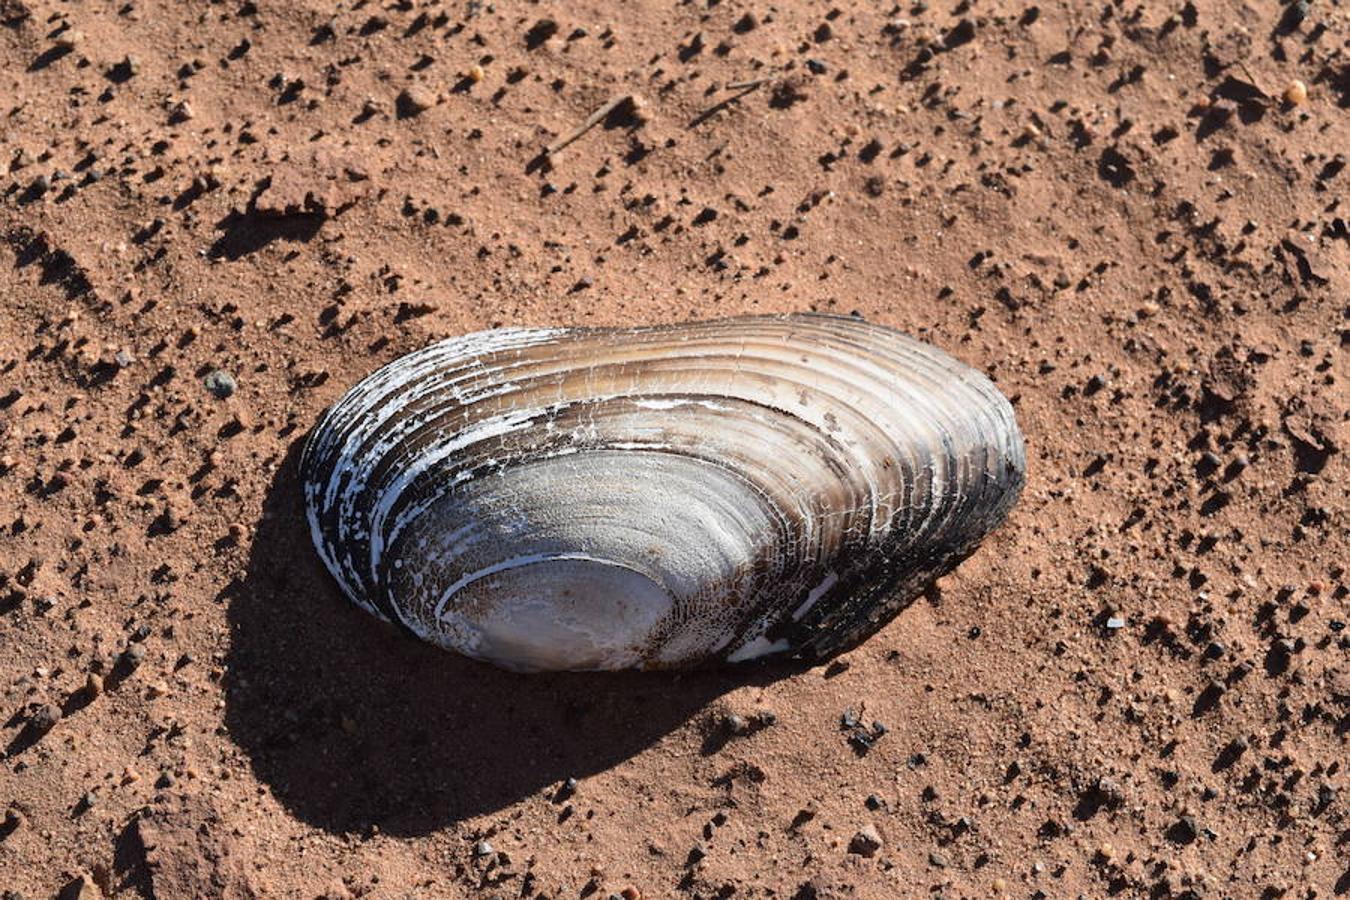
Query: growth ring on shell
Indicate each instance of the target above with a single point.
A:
(658, 497)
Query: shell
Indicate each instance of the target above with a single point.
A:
(658, 497)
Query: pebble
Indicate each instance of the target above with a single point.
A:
(220, 383)
(1296, 94)
(569, 787)
(93, 685)
(70, 39)
(46, 717)
(1185, 830)
(82, 888)
(1110, 789)
(134, 655)
(416, 99)
(14, 820)
(483, 848)
(866, 842)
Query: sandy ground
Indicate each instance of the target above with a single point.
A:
(1111, 208)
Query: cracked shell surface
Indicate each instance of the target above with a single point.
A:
(658, 497)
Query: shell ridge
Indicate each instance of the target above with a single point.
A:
(799, 478)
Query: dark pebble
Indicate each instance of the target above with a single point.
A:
(46, 717)
(220, 383)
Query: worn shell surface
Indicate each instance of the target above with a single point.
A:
(658, 497)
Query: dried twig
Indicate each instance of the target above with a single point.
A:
(592, 120)
(744, 87)
(1252, 78)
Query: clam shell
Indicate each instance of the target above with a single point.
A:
(658, 497)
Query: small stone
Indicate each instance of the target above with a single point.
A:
(483, 848)
(804, 815)
(336, 891)
(134, 655)
(1115, 623)
(82, 888)
(93, 685)
(638, 109)
(220, 383)
(1296, 94)
(866, 842)
(1184, 831)
(1110, 790)
(736, 724)
(937, 860)
(157, 690)
(962, 33)
(46, 717)
(14, 820)
(70, 39)
(415, 100)
(476, 74)
(540, 32)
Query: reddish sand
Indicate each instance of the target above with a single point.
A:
(1107, 207)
